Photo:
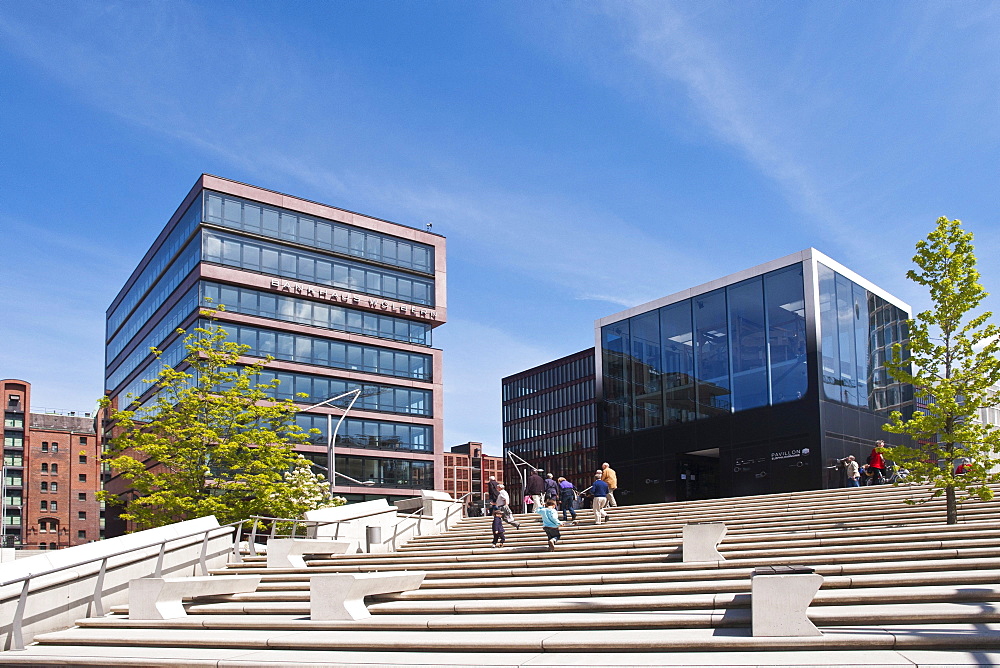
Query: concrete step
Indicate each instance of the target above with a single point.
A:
(604, 599)
(880, 637)
(153, 657)
(839, 615)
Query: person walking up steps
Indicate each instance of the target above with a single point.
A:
(551, 488)
(493, 493)
(600, 491)
(567, 498)
(550, 522)
(609, 476)
(535, 488)
(498, 532)
(503, 506)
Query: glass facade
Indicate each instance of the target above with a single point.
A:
(153, 300)
(326, 353)
(379, 398)
(370, 434)
(732, 349)
(858, 330)
(306, 312)
(303, 265)
(120, 370)
(163, 257)
(384, 472)
(744, 346)
(335, 333)
(550, 420)
(285, 225)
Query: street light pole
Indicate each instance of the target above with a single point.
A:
(331, 434)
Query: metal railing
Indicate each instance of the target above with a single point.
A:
(16, 637)
(257, 520)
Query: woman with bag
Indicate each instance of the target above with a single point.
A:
(567, 497)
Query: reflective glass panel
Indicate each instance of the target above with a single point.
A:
(647, 402)
(829, 343)
(615, 352)
(748, 334)
(712, 353)
(786, 321)
(678, 362)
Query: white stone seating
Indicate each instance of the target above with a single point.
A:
(779, 598)
(340, 596)
(289, 552)
(160, 598)
(700, 540)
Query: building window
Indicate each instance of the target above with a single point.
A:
(83, 477)
(83, 459)
(52, 546)
(82, 496)
(55, 468)
(45, 505)
(55, 447)
(45, 486)
(54, 486)
(81, 515)
(53, 506)
(83, 440)
(45, 446)
(81, 534)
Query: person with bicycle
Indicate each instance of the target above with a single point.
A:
(876, 463)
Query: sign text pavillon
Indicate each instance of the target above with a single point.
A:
(348, 298)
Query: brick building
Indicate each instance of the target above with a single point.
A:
(51, 474)
(467, 469)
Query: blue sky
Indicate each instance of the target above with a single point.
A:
(579, 157)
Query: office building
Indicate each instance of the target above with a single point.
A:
(550, 421)
(51, 474)
(341, 300)
(750, 384)
(467, 472)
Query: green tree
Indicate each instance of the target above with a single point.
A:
(953, 365)
(212, 443)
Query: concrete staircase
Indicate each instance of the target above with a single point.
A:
(901, 588)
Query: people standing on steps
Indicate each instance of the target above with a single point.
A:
(492, 492)
(567, 497)
(503, 505)
(600, 490)
(853, 472)
(498, 532)
(609, 476)
(551, 488)
(550, 522)
(535, 488)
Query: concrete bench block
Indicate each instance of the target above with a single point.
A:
(339, 596)
(701, 541)
(160, 598)
(779, 599)
(289, 552)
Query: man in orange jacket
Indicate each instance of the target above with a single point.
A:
(609, 476)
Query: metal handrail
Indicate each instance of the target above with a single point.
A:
(16, 637)
(252, 540)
